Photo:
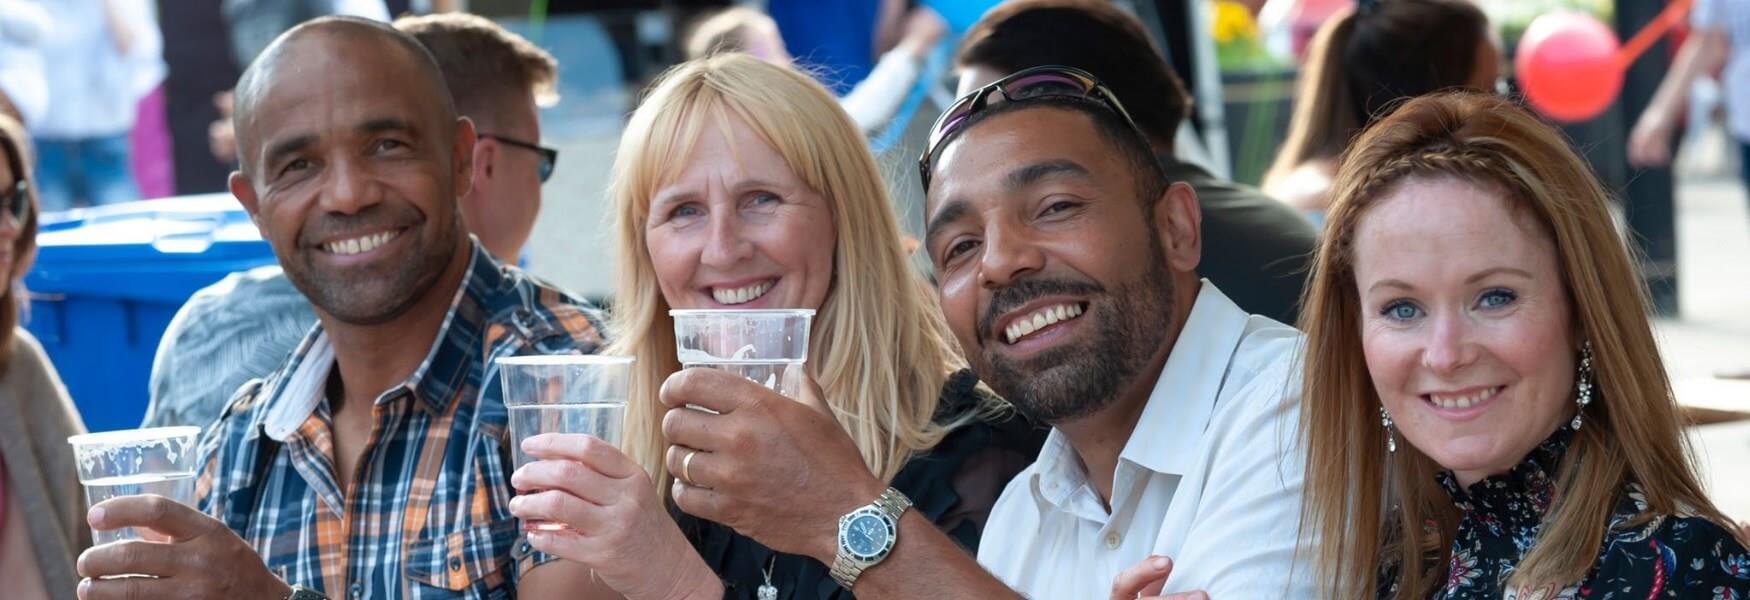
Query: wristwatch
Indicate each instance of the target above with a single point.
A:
(867, 536)
(303, 593)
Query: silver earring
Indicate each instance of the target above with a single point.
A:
(1583, 381)
(1391, 444)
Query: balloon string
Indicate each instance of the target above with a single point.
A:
(1651, 33)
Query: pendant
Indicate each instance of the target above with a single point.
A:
(767, 592)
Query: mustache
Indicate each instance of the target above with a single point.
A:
(328, 225)
(1027, 290)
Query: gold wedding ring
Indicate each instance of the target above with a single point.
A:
(687, 468)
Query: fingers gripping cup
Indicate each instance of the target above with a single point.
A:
(112, 464)
(757, 344)
(564, 394)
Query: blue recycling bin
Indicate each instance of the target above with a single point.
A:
(107, 280)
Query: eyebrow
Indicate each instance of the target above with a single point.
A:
(1031, 174)
(383, 124)
(1478, 276)
(279, 150)
(951, 212)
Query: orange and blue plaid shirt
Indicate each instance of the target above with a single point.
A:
(428, 514)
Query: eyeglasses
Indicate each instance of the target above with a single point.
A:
(549, 156)
(1026, 84)
(16, 201)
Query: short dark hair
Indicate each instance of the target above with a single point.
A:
(1151, 179)
(1091, 35)
(484, 65)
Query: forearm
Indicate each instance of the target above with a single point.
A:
(121, 34)
(926, 563)
(1702, 53)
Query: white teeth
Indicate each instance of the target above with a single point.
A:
(1461, 402)
(359, 244)
(741, 295)
(1026, 325)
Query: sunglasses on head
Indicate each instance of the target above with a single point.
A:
(549, 157)
(1026, 84)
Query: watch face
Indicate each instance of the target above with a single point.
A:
(866, 535)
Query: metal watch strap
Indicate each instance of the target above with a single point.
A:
(846, 569)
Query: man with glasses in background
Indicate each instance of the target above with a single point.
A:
(244, 326)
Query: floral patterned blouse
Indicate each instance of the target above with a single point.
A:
(1671, 556)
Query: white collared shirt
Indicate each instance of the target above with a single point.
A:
(1211, 477)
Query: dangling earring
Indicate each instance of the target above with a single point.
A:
(1583, 380)
(1391, 444)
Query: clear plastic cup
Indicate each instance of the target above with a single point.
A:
(131, 462)
(564, 394)
(756, 344)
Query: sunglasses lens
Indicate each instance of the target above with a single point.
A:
(1045, 84)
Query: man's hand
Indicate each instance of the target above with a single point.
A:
(778, 470)
(202, 559)
(1145, 580)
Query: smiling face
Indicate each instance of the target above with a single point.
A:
(1053, 274)
(354, 169)
(1465, 324)
(738, 229)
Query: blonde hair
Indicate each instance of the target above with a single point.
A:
(725, 31)
(1633, 427)
(879, 346)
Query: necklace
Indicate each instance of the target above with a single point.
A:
(768, 591)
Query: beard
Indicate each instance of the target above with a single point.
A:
(378, 293)
(1077, 379)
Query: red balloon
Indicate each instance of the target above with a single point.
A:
(1567, 64)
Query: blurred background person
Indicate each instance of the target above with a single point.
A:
(1719, 38)
(42, 522)
(24, 94)
(1486, 411)
(872, 101)
(100, 58)
(1361, 63)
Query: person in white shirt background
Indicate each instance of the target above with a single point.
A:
(23, 93)
(99, 59)
(1067, 265)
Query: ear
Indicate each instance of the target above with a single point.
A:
(485, 159)
(462, 156)
(244, 190)
(1180, 223)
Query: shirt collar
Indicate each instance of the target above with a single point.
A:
(435, 382)
(1171, 427)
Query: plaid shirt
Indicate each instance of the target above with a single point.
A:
(428, 516)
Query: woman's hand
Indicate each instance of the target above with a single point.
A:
(617, 524)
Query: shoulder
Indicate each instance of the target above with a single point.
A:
(543, 315)
(1263, 365)
(1682, 553)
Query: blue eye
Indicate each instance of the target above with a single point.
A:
(1496, 298)
(1401, 311)
(764, 198)
(684, 211)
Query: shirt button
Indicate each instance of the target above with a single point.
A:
(358, 591)
(455, 564)
(1112, 540)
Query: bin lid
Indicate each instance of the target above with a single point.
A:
(153, 250)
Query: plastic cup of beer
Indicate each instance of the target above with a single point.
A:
(131, 462)
(757, 344)
(564, 394)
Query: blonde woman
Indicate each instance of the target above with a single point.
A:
(1486, 411)
(741, 184)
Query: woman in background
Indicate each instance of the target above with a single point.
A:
(42, 510)
(1359, 64)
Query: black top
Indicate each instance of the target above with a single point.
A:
(1255, 248)
(954, 485)
(1669, 556)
